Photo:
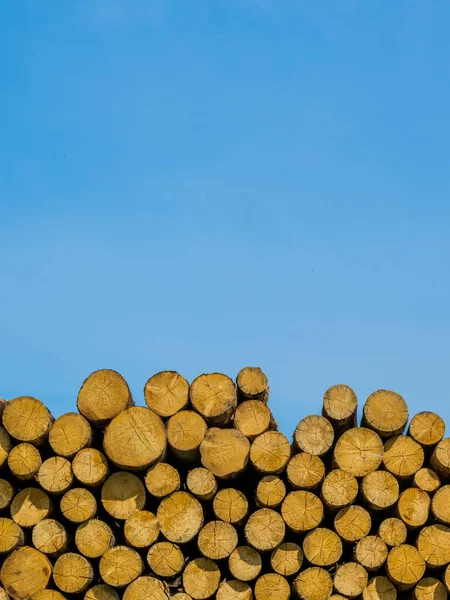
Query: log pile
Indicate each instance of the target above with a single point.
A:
(198, 495)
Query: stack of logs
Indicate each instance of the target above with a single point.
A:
(197, 495)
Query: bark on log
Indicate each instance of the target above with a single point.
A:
(245, 563)
(25, 572)
(69, 434)
(314, 435)
(270, 492)
(385, 412)
(230, 505)
(272, 586)
(162, 479)
(185, 432)
(339, 489)
(78, 505)
(427, 480)
(93, 538)
(350, 579)
(201, 578)
(405, 566)
(234, 590)
(217, 540)
(119, 566)
(50, 537)
(166, 393)
(55, 475)
(265, 529)
(73, 573)
(393, 532)
(214, 396)
(358, 451)
(403, 456)
(252, 384)
(252, 418)
(19, 425)
(141, 530)
(339, 406)
(413, 507)
(352, 523)
(180, 517)
(24, 461)
(313, 584)
(286, 559)
(371, 552)
(90, 467)
(103, 395)
(123, 494)
(30, 506)
(380, 588)
(305, 471)
(11, 536)
(146, 587)
(322, 547)
(380, 490)
(270, 453)
(427, 429)
(165, 559)
(224, 452)
(201, 483)
(302, 511)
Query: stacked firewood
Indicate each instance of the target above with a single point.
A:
(197, 495)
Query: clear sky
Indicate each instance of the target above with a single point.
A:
(207, 184)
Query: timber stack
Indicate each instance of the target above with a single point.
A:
(197, 495)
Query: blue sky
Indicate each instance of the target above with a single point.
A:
(205, 185)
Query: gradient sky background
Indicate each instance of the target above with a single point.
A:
(209, 184)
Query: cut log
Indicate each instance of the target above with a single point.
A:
(272, 586)
(119, 566)
(48, 594)
(234, 590)
(162, 479)
(24, 461)
(270, 452)
(201, 578)
(385, 412)
(78, 505)
(339, 406)
(6, 493)
(180, 517)
(371, 552)
(427, 429)
(446, 578)
(30, 506)
(217, 540)
(5, 446)
(69, 434)
(245, 563)
(380, 490)
(305, 471)
(123, 494)
(224, 452)
(93, 538)
(270, 492)
(405, 566)
(146, 587)
(440, 505)
(166, 393)
(25, 572)
(430, 588)
(55, 475)
(18, 422)
(214, 397)
(73, 573)
(181, 596)
(135, 439)
(265, 529)
(314, 435)
(201, 483)
(11, 536)
(413, 507)
(302, 511)
(427, 480)
(433, 543)
(286, 559)
(380, 588)
(230, 505)
(185, 433)
(440, 459)
(350, 579)
(90, 467)
(403, 456)
(352, 523)
(358, 451)
(165, 559)
(50, 537)
(322, 547)
(339, 489)
(101, 592)
(252, 418)
(141, 530)
(103, 395)
(313, 584)
(393, 532)
(252, 384)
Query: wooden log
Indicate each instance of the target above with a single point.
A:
(270, 492)
(393, 532)
(252, 384)
(352, 523)
(3, 594)
(305, 471)
(201, 483)
(181, 596)
(405, 566)
(201, 578)
(358, 451)
(55, 475)
(270, 453)
(322, 547)
(245, 563)
(446, 578)
(72, 573)
(286, 559)
(25, 572)
(90, 467)
(380, 588)
(146, 587)
(427, 429)
(103, 395)
(385, 412)
(141, 530)
(403, 456)
(265, 529)
(427, 480)
(185, 432)
(313, 584)
(19, 425)
(6, 493)
(234, 590)
(162, 479)
(350, 579)
(119, 566)
(69, 434)
(440, 505)
(101, 592)
(224, 452)
(30, 506)
(413, 507)
(302, 511)
(252, 418)
(314, 435)
(11, 536)
(339, 489)
(135, 439)
(93, 538)
(24, 461)
(433, 543)
(5, 446)
(180, 517)
(48, 594)
(50, 537)
(230, 505)
(123, 494)
(272, 586)
(214, 396)
(430, 588)
(165, 559)
(217, 540)
(440, 459)
(371, 552)
(166, 393)
(78, 505)
(380, 490)
(339, 406)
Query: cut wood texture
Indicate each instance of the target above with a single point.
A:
(180, 517)
(185, 432)
(405, 566)
(50, 537)
(141, 530)
(252, 384)
(286, 559)
(265, 529)
(72, 573)
(234, 590)
(69, 434)
(350, 579)
(24, 461)
(385, 412)
(78, 505)
(272, 586)
(230, 505)
(305, 471)
(217, 540)
(93, 538)
(11, 535)
(393, 531)
(201, 483)
(313, 584)
(322, 547)
(252, 418)
(90, 467)
(403, 456)
(270, 452)
(103, 395)
(427, 429)
(314, 435)
(224, 452)
(162, 479)
(27, 419)
(427, 480)
(166, 393)
(352, 523)
(165, 559)
(270, 492)
(214, 397)
(25, 572)
(358, 451)
(339, 406)
(380, 490)
(201, 578)
(120, 566)
(245, 563)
